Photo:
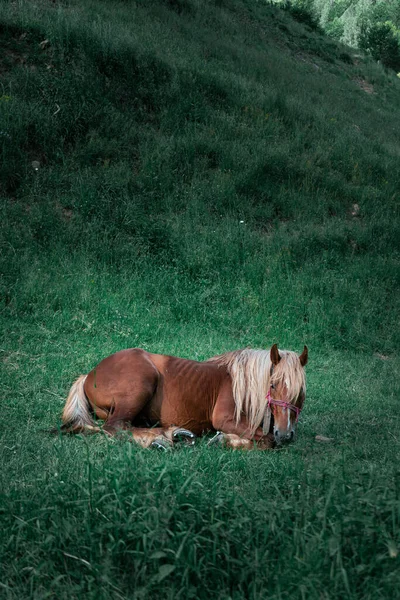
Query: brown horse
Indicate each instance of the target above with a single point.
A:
(252, 398)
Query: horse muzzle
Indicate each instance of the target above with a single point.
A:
(283, 438)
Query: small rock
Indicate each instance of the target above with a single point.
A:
(322, 438)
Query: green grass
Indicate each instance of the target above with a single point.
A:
(212, 175)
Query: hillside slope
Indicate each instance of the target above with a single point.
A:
(200, 117)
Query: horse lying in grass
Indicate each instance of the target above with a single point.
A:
(251, 398)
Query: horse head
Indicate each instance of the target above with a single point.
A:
(287, 391)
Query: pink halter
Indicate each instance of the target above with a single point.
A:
(286, 405)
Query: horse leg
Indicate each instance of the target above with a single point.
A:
(159, 437)
(147, 438)
(231, 440)
(180, 435)
(123, 411)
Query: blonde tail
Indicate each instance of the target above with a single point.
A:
(76, 415)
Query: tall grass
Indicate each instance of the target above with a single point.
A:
(136, 525)
(193, 177)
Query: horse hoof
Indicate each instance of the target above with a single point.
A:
(185, 436)
(217, 439)
(161, 443)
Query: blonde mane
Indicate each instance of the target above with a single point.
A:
(250, 371)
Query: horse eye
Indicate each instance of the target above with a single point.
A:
(272, 386)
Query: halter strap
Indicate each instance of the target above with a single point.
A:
(286, 405)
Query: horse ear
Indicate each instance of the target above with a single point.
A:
(274, 354)
(304, 357)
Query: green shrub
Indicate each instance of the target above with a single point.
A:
(335, 28)
(303, 12)
(382, 41)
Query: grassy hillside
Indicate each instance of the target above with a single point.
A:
(193, 177)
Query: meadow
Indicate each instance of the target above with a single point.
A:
(191, 178)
